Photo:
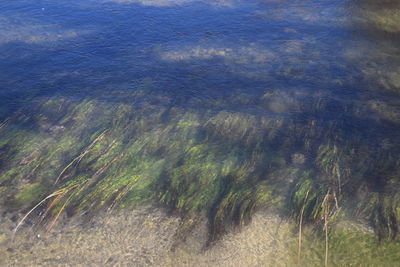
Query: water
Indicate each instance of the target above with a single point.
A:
(208, 107)
(191, 49)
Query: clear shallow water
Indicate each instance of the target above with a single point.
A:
(262, 91)
(189, 49)
(199, 52)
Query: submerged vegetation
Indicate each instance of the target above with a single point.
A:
(81, 157)
(348, 246)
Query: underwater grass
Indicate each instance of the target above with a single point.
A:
(62, 156)
(348, 246)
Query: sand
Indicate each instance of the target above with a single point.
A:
(144, 237)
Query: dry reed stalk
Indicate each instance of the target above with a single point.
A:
(49, 207)
(338, 175)
(79, 158)
(62, 208)
(325, 207)
(35, 207)
(300, 228)
(122, 194)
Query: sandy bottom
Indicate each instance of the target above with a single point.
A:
(266, 241)
(144, 237)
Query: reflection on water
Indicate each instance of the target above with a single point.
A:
(212, 108)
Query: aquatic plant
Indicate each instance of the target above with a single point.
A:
(349, 244)
(64, 156)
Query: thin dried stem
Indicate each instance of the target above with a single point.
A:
(61, 209)
(300, 229)
(338, 175)
(325, 206)
(80, 157)
(35, 207)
